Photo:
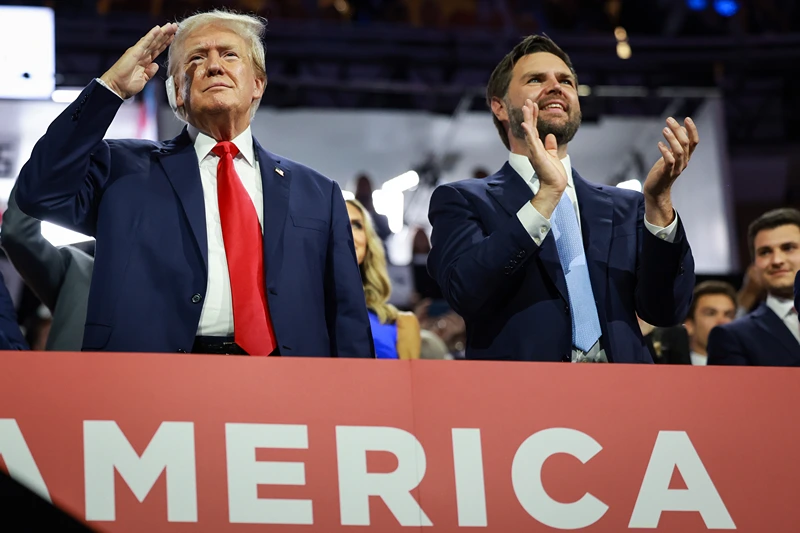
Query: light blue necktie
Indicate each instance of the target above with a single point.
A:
(585, 324)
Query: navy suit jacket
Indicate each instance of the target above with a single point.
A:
(512, 293)
(143, 201)
(759, 338)
(797, 291)
(11, 337)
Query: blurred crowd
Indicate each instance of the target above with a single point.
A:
(676, 17)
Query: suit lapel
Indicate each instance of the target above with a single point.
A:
(773, 327)
(597, 213)
(179, 160)
(276, 182)
(511, 192)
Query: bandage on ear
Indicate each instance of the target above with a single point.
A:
(171, 98)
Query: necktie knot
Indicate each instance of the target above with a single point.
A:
(224, 148)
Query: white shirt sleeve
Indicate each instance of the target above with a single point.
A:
(665, 234)
(534, 223)
(101, 82)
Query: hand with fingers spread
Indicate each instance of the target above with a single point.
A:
(546, 163)
(136, 67)
(682, 141)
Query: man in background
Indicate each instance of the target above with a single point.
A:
(770, 335)
(713, 304)
(59, 277)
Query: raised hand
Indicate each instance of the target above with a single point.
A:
(546, 163)
(682, 141)
(136, 67)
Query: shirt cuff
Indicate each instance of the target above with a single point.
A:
(665, 234)
(534, 223)
(101, 82)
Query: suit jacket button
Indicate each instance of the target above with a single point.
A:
(197, 298)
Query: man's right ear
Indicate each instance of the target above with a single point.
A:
(499, 109)
(171, 96)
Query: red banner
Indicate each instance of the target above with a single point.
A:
(171, 443)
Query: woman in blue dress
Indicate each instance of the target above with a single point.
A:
(395, 333)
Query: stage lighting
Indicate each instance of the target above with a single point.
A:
(726, 8)
(697, 5)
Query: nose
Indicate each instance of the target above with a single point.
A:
(213, 64)
(552, 85)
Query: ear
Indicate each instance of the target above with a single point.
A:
(689, 325)
(178, 93)
(499, 109)
(258, 91)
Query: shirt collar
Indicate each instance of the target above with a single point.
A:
(523, 166)
(780, 306)
(203, 144)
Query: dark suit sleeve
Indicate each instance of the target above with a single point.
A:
(797, 291)
(664, 278)
(39, 263)
(473, 269)
(345, 305)
(63, 180)
(724, 348)
(11, 337)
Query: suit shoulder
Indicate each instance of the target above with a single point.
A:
(300, 170)
(468, 187)
(738, 326)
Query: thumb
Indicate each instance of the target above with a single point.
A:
(550, 143)
(151, 70)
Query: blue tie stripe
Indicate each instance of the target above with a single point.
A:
(585, 322)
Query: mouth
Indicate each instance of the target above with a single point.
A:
(216, 86)
(779, 272)
(554, 107)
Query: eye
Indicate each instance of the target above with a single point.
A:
(568, 82)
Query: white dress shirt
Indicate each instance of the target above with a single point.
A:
(784, 308)
(538, 226)
(698, 359)
(216, 318)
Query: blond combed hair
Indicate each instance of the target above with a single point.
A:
(374, 275)
(249, 27)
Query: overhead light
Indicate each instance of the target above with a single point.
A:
(403, 182)
(59, 236)
(348, 195)
(633, 185)
(584, 90)
(697, 5)
(726, 8)
(65, 96)
(620, 33)
(623, 50)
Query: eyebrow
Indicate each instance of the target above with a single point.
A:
(560, 75)
(205, 48)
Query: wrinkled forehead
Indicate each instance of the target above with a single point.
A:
(541, 63)
(211, 36)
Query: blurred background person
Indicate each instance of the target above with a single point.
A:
(396, 334)
(770, 335)
(713, 304)
(59, 277)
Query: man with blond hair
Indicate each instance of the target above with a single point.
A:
(206, 243)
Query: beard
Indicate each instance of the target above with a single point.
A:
(563, 132)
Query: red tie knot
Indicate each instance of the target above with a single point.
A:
(224, 148)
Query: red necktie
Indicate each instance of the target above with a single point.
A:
(241, 234)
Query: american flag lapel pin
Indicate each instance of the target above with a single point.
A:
(279, 171)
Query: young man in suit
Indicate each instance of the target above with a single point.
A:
(542, 264)
(770, 335)
(206, 243)
(713, 304)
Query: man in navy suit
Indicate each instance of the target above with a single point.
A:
(206, 243)
(542, 264)
(770, 335)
